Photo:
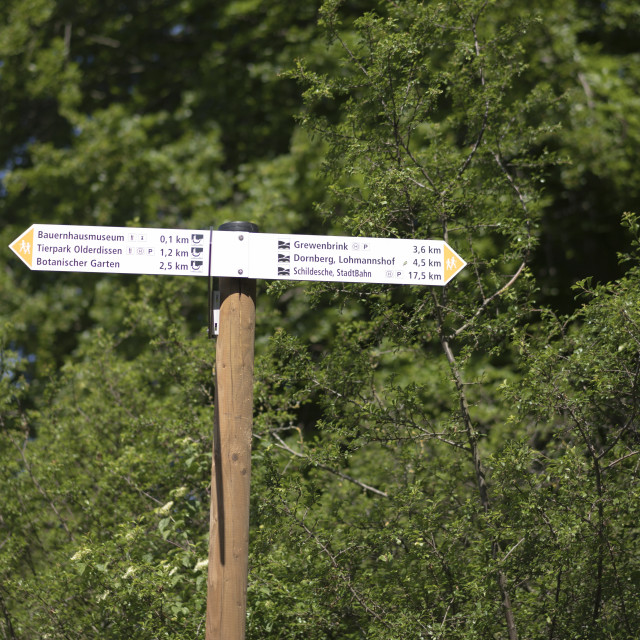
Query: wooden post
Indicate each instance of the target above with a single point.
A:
(231, 466)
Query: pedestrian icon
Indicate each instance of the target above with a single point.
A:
(23, 246)
(453, 263)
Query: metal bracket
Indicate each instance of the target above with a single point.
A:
(216, 314)
(214, 299)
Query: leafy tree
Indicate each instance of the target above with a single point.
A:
(457, 462)
(442, 129)
(578, 403)
(434, 140)
(584, 51)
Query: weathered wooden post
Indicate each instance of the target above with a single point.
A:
(231, 466)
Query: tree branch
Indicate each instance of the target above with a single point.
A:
(489, 300)
(483, 491)
(39, 487)
(283, 445)
(370, 609)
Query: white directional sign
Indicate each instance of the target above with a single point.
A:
(237, 254)
(349, 259)
(45, 247)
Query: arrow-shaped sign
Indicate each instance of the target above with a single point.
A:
(45, 247)
(349, 259)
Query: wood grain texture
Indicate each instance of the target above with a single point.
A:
(231, 467)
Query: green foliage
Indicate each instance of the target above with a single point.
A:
(456, 462)
(579, 396)
(119, 511)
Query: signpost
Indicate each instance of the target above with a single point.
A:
(231, 464)
(238, 255)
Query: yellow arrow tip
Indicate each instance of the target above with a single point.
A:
(453, 263)
(23, 247)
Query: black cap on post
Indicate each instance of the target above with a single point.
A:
(250, 227)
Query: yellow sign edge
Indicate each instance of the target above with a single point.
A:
(14, 246)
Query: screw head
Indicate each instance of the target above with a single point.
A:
(240, 237)
(240, 272)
